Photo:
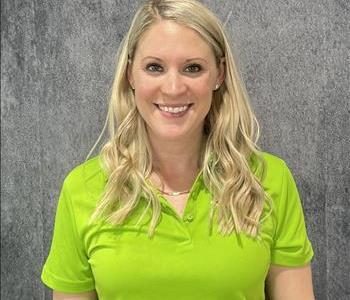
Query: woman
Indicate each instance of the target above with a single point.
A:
(180, 203)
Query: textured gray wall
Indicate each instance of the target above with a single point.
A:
(57, 61)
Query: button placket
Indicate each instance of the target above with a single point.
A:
(189, 218)
(190, 211)
(190, 208)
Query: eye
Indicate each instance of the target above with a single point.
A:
(193, 68)
(154, 68)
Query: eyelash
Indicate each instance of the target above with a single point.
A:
(148, 68)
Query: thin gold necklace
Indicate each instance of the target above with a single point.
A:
(173, 193)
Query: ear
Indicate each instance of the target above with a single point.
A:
(129, 74)
(222, 72)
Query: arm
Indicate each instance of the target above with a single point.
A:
(78, 296)
(289, 283)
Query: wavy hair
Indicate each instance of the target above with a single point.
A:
(231, 162)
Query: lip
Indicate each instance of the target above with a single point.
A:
(173, 105)
(170, 115)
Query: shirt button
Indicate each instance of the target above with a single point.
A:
(189, 218)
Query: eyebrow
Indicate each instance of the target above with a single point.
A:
(187, 60)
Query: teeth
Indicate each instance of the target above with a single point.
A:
(173, 109)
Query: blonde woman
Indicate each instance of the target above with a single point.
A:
(180, 203)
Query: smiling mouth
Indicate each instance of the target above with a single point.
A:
(178, 109)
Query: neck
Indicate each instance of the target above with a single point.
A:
(175, 163)
(176, 157)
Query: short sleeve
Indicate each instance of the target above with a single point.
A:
(67, 268)
(291, 246)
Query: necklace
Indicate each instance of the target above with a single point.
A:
(173, 193)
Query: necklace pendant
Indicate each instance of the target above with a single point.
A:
(175, 193)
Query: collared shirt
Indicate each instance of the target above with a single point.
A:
(184, 259)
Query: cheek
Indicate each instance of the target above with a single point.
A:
(203, 85)
(204, 94)
(145, 86)
(145, 92)
(203, 91)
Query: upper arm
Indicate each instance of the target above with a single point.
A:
(67, 266)
(289, 283)
(77, 296)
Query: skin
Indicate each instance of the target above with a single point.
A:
(173, 65)
(78, 296)
(286, 283)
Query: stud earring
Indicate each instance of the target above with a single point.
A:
(217, 86)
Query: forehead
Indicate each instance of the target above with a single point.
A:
(172, 40)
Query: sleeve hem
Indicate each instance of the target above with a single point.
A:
(61, 285)
(290, 261)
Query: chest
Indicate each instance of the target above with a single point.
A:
(130, 264)
(182, 259)
(178, 203)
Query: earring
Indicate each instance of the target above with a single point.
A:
(217, 86)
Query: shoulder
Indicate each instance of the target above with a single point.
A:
(274, 163)
(279, 184)
(274, 173)
(85, 183)
(90, 171)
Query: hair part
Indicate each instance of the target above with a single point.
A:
(232, 163)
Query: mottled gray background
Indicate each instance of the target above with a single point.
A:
(57, 62)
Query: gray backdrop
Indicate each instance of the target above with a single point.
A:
(57, 62)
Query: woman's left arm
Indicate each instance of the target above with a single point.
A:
(290, 283)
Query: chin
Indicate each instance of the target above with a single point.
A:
(170, 135)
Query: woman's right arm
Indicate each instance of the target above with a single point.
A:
(78, 296)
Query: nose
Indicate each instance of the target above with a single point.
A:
(173, 84)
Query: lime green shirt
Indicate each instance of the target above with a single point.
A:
(183, 260)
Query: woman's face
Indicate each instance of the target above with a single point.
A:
(174, 73)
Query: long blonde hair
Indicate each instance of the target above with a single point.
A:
(232, 164)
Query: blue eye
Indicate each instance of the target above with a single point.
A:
(193, 68)
(154, 68)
